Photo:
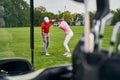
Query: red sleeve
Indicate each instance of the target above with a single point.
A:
(50, 21)
(42, 27)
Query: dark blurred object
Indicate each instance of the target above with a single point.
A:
(63, 72)
(82, 1)
(15, 66)
(102, 9)
(95, 66)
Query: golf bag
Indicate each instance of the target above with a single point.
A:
(95, 66)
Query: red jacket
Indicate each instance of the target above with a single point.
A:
(46, 26)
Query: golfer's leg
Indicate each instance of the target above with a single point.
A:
(45, 45)
(67, 39)
(48, 40)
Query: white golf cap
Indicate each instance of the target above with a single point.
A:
(46, 19)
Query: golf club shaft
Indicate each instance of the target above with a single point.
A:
(103, 23)
(87, 43)
(113, 38)
(96, 31)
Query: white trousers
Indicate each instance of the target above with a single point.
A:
(67, 39)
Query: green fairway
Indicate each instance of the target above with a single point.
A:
(15, 42)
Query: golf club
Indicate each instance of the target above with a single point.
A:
(97, 22)
(95, 30)
(118, 42)
(103, 23)
(88, 35)
(113, 38)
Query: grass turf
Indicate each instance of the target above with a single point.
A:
(15, 42)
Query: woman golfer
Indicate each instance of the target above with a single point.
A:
(69, 33)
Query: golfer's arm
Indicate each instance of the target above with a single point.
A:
(42, 34)
(53, 20)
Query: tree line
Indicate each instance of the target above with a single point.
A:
(17, 14)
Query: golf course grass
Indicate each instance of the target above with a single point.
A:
(15, 42)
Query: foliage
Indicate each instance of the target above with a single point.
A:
(1, 11)
(67, 16)
(77, 18)
(38, 15)
(2, 22)
(16, 13)
(40, 12)
(116, 16)
(41, 9)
